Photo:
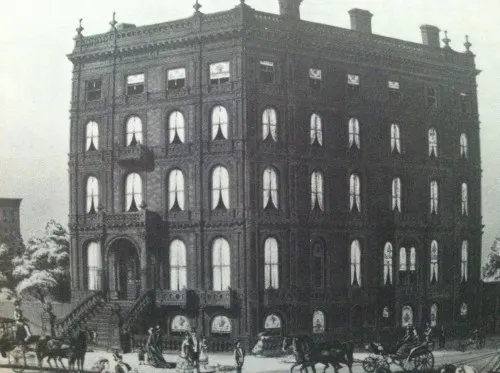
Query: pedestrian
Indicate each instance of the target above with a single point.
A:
(239, 356)
(442, 337)
(203, 352)
(195, 349)
(141, 352)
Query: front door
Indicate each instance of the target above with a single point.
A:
(124, 271)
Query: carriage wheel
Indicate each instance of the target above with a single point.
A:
(369, 364)
(18, 357)
(424, 362)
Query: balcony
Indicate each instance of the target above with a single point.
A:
(172, 298)
(135, 156)
(101, 220)
(213, 298)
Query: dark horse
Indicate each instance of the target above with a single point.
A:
(308, 353)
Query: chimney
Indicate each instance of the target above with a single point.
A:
(430, 36)
(361, 20)
(290, 8)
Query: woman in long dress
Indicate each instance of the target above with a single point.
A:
(203, 355)
(184, 357)
(155, 356)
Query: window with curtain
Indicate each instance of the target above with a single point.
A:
(464, 146)
(176, 128)
(433, 143)
(133, 192)
(318, 322)
(403, 261)
(92, 135)
(434, 262)
(94, 266)
(92, 194)
(220, 73)
(316, 130)
(395, 139)
(434, 197)
(396, 194)
(354, 133)
(221, 265)
(464, 309)
(465, 200)
(270, 125)
(406, 316)
(271, 264)
(270, 189)
(220, 188)
(413, 259)
(176, 190)
(465, 260)
(354, 193)
(319, 274)
(388, 263)
(178, 265)
(219, 123)
(134, 131)
(355, 263)
(317, 202)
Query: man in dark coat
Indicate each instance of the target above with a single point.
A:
(194, 342)
(239, 356)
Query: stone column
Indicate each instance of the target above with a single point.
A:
(144, 268)
(113, 294)
(48, 320)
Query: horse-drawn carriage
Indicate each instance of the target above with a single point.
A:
(416, 358)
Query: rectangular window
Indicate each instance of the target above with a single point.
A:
(353, 80)
(135, 84)
(431, 97)
(394, 93)
(267, 72)
(393, 84)
(93, 89)
(315, 79)
(176, 78)
(219, 73)
(464, 102)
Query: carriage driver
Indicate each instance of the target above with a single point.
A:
(409, 340)
(22, 331)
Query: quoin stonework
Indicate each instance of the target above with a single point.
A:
(245, 171)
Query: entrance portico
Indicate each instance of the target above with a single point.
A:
(124, 281)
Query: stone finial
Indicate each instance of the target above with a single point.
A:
(79, 29)
(113, 22)
(446, 40)
(197, 6)
(467, 44)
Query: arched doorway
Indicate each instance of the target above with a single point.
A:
(123, 269)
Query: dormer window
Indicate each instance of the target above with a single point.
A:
(93, 90)
(219, 73)
(135, 84)
(267, 72)
(315, 79)
(176, 78)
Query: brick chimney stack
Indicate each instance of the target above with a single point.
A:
(361, 20)
(290, 8)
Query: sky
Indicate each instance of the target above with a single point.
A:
(35, 76)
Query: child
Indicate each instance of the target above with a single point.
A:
(141, 352)
(239, 356)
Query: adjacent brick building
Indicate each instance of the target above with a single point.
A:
(10, 224)
(258, 171)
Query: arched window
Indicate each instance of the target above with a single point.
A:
(316, 130)
(318, 322)
(464, 309)
(176, 128)
(354, 133)
(317, 202)
(464, 146)
(388, 263)
(270, 125)
(221, 265)
(434, 200)
(178, 265)
(271, 264)
(219, 123)
(176, 190)
(434, 315)
(465, 260)
(413, 260)
(180, 324)
(355, 263)
(396, 194)
(221, 325)
(133, 192)
(134, 131)
(395, 139)
(406, 316)
(270, 189)
(94, 266)
(465, 200)
(403, 261)
(319, 274)
(92, 194)
(433, 143)
(92, 142)
(354, 193)
(272, 322)
(220, 188)
(434, 262)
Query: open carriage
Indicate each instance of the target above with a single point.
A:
(417, 358)
(16, 352)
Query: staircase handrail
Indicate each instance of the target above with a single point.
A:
(145, 299)
(78, 314)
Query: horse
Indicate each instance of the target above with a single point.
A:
(78, 349)
(450, 368)
(299, 349)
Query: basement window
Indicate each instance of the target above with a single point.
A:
(176, 78)
(93, 89)
(219, 73)
(315, 79)
(135, 84)
(267, 72)
(431, 97)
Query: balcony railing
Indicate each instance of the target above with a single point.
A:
(135, 156)
(99, 220)
(213, 298)
(172, 298)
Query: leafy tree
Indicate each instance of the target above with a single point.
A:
(43, 269)
(491, 270)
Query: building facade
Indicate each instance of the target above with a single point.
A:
(10, 224)
(260, 172)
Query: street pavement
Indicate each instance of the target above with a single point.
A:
(477, 358)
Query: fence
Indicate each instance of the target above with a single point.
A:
(174, 343)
